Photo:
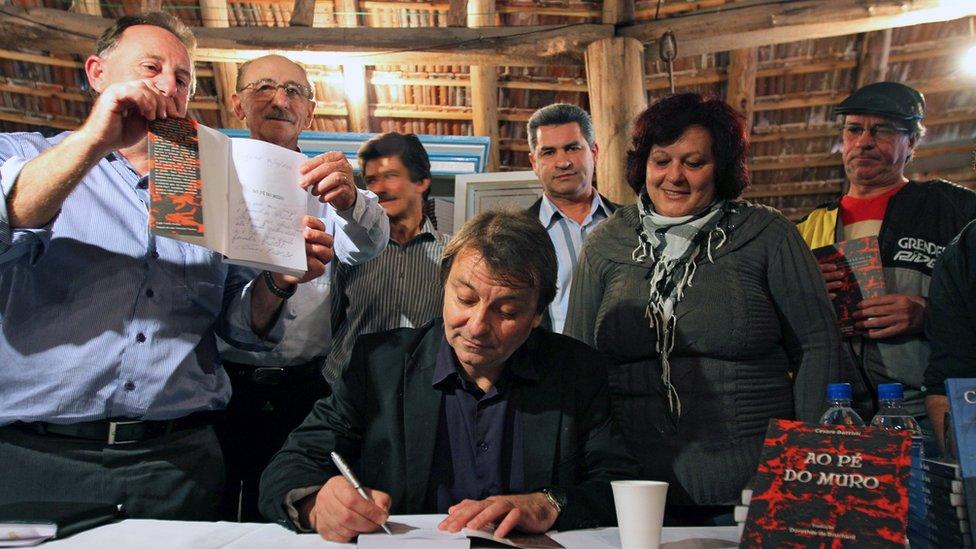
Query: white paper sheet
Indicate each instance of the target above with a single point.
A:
(267, 205)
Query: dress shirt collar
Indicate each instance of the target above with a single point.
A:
(549, 213)
(447, 370)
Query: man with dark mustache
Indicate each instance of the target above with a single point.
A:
(401, 287)
(274, 390)
(563, 154)
(913, 220)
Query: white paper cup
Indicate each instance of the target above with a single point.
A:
(640, 512)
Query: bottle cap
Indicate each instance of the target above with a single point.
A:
(839, 391)
(890, 391)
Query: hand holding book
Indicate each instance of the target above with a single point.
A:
(329, 177)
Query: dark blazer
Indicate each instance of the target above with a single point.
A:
(382, 417)
(534, 209)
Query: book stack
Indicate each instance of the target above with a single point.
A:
(936, 505)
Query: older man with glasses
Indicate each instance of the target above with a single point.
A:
(274, 390)
(913, 220)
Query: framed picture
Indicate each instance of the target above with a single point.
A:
(479, 192)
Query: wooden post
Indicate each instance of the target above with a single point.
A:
(214, 15)
(150, 5)
(356, 99)
(303, 14)
(618, 12)
(484, 85)
(88, 7)
(354, 75)
(615, 80)
(741, 93)
(457, 14)
(872, 63)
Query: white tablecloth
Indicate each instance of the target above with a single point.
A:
(165, 534)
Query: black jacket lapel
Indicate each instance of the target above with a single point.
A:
(421, 412)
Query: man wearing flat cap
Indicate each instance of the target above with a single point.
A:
(913, 220)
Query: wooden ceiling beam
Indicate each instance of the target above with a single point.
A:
(39, 59)
(65, 32)
(741, 25)
(738, 25)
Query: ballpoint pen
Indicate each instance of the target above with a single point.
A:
(347, 472)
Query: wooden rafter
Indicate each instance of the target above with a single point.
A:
(756, 23)
(748, 24)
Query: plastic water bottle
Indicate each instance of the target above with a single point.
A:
(893, 417)
(839, 411)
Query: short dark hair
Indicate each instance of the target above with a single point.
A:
(557, 114)
(405, 146)
(514, 245)
(110, 36)
(663, 123)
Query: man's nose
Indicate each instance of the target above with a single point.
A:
(866, 139)
(478, 322)
(166, 83)
(280, 98)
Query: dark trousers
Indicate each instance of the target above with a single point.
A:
(179, 476)
(265, 406)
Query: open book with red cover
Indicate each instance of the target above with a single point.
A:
(237, 196)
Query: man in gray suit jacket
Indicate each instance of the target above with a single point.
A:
(480, 415)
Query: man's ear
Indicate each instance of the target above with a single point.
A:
(95, 71)
(596, 151)
(423, 185)
(311, 114)
(238, 108)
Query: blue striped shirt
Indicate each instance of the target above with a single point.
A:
(567, 236)
(100, 318)
(400, 288)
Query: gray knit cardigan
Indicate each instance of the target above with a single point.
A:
(756, 340)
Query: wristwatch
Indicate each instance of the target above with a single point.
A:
(275, 289)
(555, 497)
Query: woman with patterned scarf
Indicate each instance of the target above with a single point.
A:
(711, 308)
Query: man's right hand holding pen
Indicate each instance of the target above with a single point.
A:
(338, 513)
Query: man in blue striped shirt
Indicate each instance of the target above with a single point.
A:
(563, 154)
(400, 288)
(108, 362)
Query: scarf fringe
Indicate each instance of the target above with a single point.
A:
(661, 317)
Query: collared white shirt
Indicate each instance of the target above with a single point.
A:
(567, 237)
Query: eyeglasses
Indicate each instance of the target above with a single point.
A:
(879, 132)
(264, 90)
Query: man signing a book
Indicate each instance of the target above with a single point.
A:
(109, 377)
(480, 415)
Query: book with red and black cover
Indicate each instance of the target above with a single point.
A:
(829, 486)
(860, 261)
(236, 196)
